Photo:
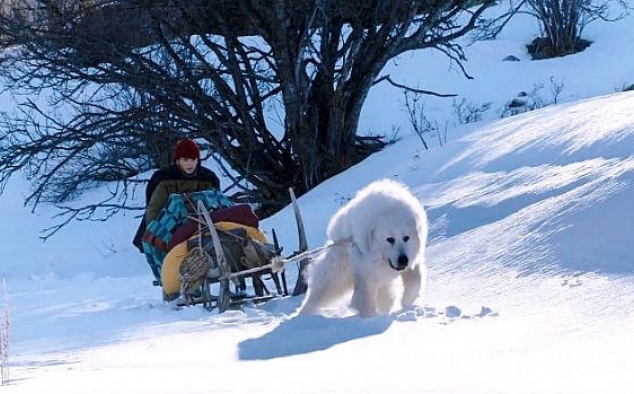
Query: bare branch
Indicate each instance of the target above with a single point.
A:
(389, 79)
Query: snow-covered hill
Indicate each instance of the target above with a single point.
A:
(531, 270)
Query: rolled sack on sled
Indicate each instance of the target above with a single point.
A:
(170, 269)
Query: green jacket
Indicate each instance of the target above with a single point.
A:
(172, 180)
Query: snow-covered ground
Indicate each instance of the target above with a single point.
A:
(531, 264)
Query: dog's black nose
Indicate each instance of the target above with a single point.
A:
(402, 261)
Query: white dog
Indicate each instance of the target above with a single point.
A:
(376, 240)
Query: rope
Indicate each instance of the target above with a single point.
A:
(278, 262)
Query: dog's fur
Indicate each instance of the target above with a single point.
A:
(377, 239)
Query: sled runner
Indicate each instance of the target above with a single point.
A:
(225, 248)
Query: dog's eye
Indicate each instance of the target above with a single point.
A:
(406, 238)
(390, 240)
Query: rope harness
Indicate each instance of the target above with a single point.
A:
(278, 262)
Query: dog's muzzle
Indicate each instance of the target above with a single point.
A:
(401, 262)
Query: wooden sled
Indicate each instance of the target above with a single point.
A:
(215, 268)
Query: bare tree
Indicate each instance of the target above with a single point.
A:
(563, 22)
(132, 76)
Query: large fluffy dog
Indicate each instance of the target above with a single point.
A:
(377, 240)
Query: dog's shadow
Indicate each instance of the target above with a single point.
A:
(305, 334)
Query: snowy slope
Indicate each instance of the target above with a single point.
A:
(538, 238)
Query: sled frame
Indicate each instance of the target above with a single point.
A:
(222, 274)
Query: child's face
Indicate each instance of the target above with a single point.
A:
(188, 166)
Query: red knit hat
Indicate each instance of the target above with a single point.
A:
(187, 149)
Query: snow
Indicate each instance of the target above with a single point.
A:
(531, 266)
